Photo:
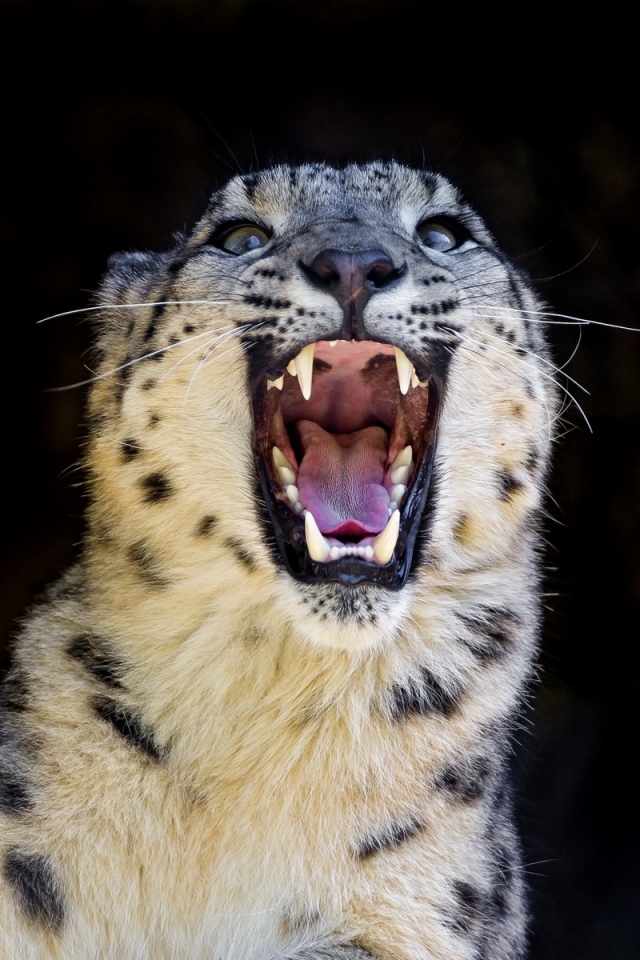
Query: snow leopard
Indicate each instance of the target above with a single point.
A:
(269, 712)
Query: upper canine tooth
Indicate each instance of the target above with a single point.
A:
(405, 369)
(279, 459)
(291, 367)
(319, 549)
(285, 475)
(404, 458)
(279, 383)
(304, 365)
(385, 543)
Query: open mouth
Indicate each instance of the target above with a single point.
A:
(344, 450)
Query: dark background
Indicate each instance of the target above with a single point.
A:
(119, 118)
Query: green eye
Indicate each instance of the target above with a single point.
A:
(436, 236)
(244, 239)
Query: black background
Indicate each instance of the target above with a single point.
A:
(119, 118)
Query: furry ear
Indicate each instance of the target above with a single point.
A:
(130, 263)
(131, 278)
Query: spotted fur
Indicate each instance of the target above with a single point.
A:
(205, 755)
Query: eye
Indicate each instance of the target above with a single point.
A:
(436, 236)
(242, 239)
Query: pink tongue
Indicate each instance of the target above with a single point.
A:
(340, 479)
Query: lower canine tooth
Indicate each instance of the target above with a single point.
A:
(318, 547)
(304, 366)
(385, 543)
(405, 369)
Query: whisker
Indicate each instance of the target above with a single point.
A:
(136, 306)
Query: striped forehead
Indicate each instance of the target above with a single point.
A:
(289, 196)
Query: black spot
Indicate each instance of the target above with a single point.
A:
(443, 326)
(149, 384)
(269, 303)
(14, 793)
(240, 553)
(511, 336)
(148, 567)
(130, 727)
(533, 460)
(508, 485)
(94, 655)
(206, 525)
(250, 182)
(389, 837)
(466, 782)
(150, 330)
(130, 449)
(504, 867)
(154, 419)
(499, 328)
(493, 632)
(35, 886)
(188, 328)
(156, 314)
(471, 906)
(423, 696)
(157, 487)
(176, 266)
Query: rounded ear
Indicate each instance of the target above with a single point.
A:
(128, 266)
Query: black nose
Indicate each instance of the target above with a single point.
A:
(353, 278)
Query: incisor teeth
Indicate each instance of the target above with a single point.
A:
(293, 493)
(401, 467)
(291, 368)
(319, 549)
(332, 343)
(385, 543)
(304, 366)
(405, 369)
(414, 379)
(397, 492)
(279, 383)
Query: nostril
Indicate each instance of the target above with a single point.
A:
(383, 273)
